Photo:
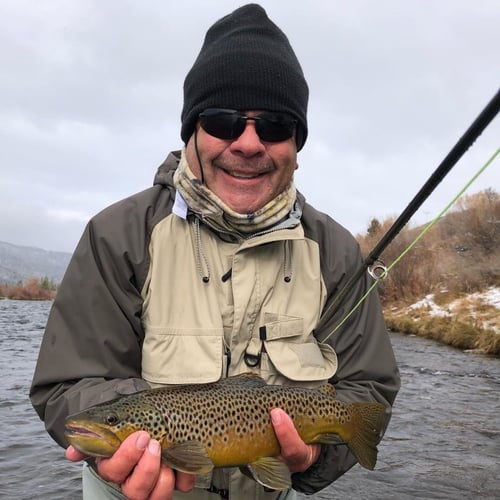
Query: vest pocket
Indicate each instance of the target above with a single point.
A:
(295, 357)
(182, 356)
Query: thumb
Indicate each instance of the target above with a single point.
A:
(296, 454)
(285, 431)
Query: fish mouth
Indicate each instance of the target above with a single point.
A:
(81, 431)
(91, 439)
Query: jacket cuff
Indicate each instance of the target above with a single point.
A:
(332, 463)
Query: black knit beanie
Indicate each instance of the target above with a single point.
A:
(246, 63)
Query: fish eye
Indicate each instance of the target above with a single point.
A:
(111, 419)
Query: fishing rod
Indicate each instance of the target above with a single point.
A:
(464, 143)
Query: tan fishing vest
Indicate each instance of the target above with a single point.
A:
(256, 313)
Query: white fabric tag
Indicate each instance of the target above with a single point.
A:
(180, 207)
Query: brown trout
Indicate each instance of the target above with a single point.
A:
(228, 424)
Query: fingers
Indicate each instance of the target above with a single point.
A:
(296, 454)
(184, 482)
(167, 482)
(136, 466)
(73, 454)
(149, 479)
(153, 480)
(117, 468)
(165, 485)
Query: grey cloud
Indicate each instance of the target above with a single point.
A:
(91, 94)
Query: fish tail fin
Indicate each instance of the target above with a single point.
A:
(367, 431)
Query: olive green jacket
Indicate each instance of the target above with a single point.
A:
(151, 297)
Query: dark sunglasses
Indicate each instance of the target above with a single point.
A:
(230, 124)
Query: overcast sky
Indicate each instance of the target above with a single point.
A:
(91, 95)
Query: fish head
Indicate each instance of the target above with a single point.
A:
(100, 430)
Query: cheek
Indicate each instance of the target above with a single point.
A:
(287, 170)
(191, 159)
(209, 148)
(284, 156)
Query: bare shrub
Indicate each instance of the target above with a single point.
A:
(480, 221)
(460, 254)
(414, 274)
(31, 289)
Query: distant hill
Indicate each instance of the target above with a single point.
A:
(17, 263)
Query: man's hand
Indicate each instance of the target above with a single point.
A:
(136, 466)
(297, 455)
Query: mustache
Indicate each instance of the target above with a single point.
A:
(247, 164)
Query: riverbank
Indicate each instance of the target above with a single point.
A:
(446, 286)
(469, 322)
(31, 289)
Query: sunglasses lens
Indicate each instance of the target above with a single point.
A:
(224, 124)
(274, 127)
(230, 124)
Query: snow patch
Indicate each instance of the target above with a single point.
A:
(490, 297)
(428, 303)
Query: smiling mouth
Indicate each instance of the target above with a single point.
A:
(244, 175)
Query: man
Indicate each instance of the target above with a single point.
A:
(219, 269)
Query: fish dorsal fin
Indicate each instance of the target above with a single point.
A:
(247, 378)
(328, 390)
(189, 456)
(269, 472)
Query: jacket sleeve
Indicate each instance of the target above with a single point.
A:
(91, 349)
(367, 369)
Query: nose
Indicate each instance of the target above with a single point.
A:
(248, 143)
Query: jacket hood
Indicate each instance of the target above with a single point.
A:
(165, 173)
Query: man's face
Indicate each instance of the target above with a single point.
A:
(246, 172)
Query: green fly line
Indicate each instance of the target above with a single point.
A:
(414, 242)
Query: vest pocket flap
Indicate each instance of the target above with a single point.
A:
(172, 356)
(302, 362)
(280, 327)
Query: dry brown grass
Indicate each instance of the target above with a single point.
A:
(448, 330)
(31, 289)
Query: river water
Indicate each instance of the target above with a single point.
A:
(443, 441)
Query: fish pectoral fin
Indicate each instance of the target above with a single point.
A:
(328, 438)
(189, 456)
(269, 472)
